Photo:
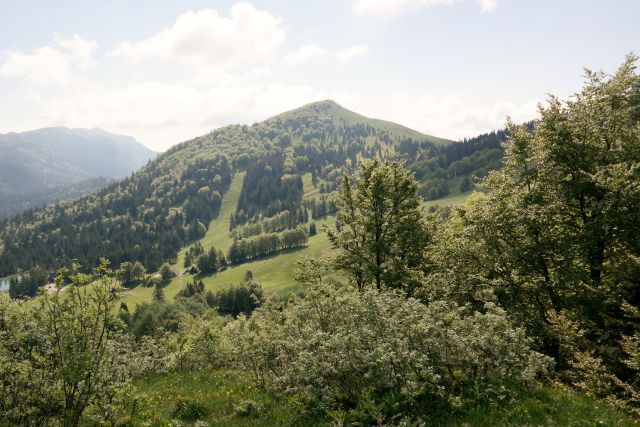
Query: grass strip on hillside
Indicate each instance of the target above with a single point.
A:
(218, 232)
(274, 273)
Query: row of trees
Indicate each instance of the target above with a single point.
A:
(320, 206)
(267, 244)
(211, 261)
(279, 222)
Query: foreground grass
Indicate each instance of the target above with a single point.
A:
(224, 394)
(545, 406)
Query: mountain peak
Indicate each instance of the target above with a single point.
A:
(325, 104)
(329, 108)
(325, 107)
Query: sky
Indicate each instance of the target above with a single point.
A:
(165, 71)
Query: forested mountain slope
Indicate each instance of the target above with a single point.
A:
(43, 165)
(151, 215)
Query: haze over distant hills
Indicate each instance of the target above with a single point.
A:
(44, 165)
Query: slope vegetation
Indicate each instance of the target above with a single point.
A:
(169, 204)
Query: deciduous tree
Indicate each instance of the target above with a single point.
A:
(384, 233)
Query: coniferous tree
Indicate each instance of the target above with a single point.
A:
(166, 273)
(248, 276)
(158, 293)
(208, 262)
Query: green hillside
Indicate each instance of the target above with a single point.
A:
(274, 273)
(268, 179)
(218, 232)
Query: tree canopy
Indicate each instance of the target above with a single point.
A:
(553, 236)
(383, 232)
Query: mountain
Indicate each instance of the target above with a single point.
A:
(169, 203)
(339, 115)
(43, 165)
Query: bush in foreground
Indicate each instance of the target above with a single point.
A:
(61, 361)
(340, 348)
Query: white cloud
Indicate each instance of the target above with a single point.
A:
(313, 52)
(310, 52)
(348, 54)
(246, 36)
(216, 75)
(387, 9)
(162, 114)
(232, 73)
(80, 50)
(50, 65)
(488, 5)
(227, 79)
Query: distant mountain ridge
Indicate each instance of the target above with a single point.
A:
(35, 162)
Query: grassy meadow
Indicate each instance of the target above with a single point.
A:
(230, 398)
(275, 272)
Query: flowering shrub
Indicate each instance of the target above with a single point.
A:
(60, 360)
(337, 345)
